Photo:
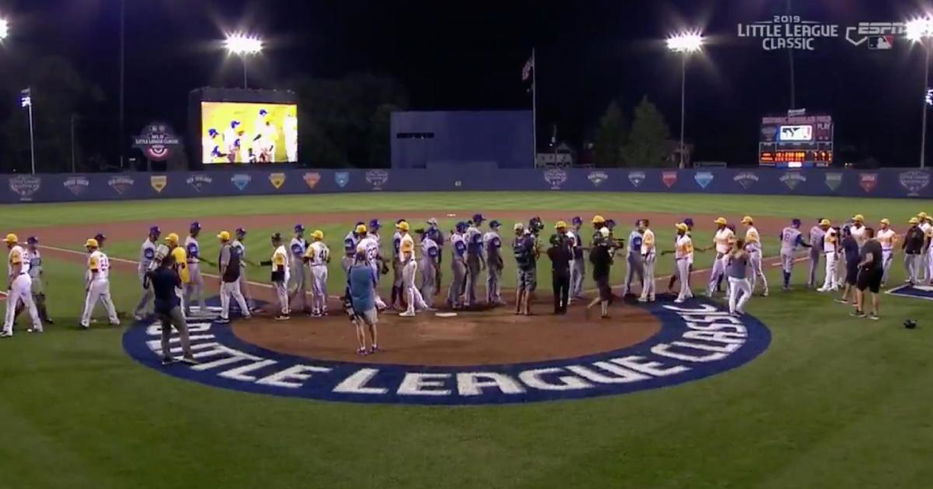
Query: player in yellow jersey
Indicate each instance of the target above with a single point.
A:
(755, 252)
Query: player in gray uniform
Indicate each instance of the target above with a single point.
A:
(238, 244)
(791, 238)
(428, 267)
(492, 244)
(34, 257)
(636, 262)
(578, 265)
(298, 282)
(434, 232)
(147, 255)
(350, 241)
(458, 266)
(475, 259)
(194, 290)
(816, 249)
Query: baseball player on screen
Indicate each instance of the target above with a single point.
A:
(371, 244)
(350, 242)
(722, 243)
(279, 276)
(395, 302)
(195, 287)
(409, 271)
(635, 260)
(648, 253)
(240, 246)
(830, 250)
(887, 237)
(34, 257)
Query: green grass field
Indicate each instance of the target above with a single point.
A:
(833, 403)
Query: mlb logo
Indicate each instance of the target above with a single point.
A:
(669, 178)
(881, 42)
(868, 181)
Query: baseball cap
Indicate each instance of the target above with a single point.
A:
(317, 234)
(577, 220)
(858, 218)
(432, 221)
(155, 230)
(597, 219)
(610, 223)
(374, 224)
(224, 236)
(494, 224)
(100, 237)
(560, 224)
(518, 226)
(240, 231)
(360, 228)
(402, 226)
(171, 238)
(11, 238)
(195, 225)
(478, 218)
(32, 240)
(461, 226)
(795, 221)
(299, 228)
(688, 221)
(276, 236)
(885, 221)
(681, 227)
(721, 221)
(913, 220)
(91, 243)
(825, 222)
(747, 220)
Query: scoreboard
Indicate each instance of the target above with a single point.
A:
(796, 141)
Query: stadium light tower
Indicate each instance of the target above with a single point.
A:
(685, 43)
(243, 45)
(921, 30)
(4, 28)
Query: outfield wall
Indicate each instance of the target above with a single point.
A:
(899, 183)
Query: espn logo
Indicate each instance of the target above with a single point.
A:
(879, 35)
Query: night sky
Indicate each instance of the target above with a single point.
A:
(469, 55)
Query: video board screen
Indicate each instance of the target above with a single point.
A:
(246, 133)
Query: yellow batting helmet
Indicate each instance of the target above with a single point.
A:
(361, 229)
(91, 243)
(403, 226)
(681, 227)
(825, 222)
(598, 219)
(560, 225)
(886, 221)
(747, 220)
(224, 236)
(913, 220)
(858, 218)
(922, 215)
(317, 234)
(11, 238)
(172, 238)
(721, 221)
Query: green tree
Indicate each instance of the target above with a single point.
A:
(649, 140)
(610, 137)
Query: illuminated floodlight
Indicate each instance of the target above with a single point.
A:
(4, 29)
(918, 29)
(243, 44)
(685, 42)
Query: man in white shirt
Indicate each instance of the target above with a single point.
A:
(649, 256)
(887, 238)
(722, 243)
(755, 252)
(830, 250)
(279, 277)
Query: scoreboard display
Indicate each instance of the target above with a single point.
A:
(796, 141)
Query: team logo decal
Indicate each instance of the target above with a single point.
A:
(277, 180)
(746, 179)
(121, 185)
(25, 186)
(199, 182)
(703, 178)
(868, 181)
(669, 178)
(597, 177)
(792, 179)
(636, 178)
(76, 185)
(696, 340)
(377, 178)
(241, 181)
(833, 180)
(914, 181)
(342, 178)
(312, 178)
(158, 182)
(555, 177)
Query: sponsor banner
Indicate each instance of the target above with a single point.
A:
(555, 177)
(696, 340)
(158, 182)
(199, 182)
(914, 181)
(311, 179)
(669, 178)
(377, 178)
(868, 181)
(241, 181)
(25, 186)
(597, 178)
(76, 185)
(342, 178)
(277, 179)
(636, 178)
(157, 141)
(703, 178)
(833, 180)
(792, 179)
(121, 184)
(746, 179)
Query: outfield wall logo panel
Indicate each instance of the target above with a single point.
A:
(892, 183)
(696, 340)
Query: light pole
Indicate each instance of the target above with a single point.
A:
(920, 30)
(4, 29)
(25, 101)
(243, 45)
(684, 43)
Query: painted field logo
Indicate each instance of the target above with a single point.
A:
(158, 182)
(342, 178)
(199, 182)
(792, 179)
(377, 178)
(241, 181)
(868, 181)
(277, 180)
(597, 177)
(695, 341)
(669, 178)
(25, 185)
(833, 180)
(311, 179)
(746, 179)
(636, 178)
(121, 185)
(76, 185)
(703, 178)
(914, 181)
(555, 177)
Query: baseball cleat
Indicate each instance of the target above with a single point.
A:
(362, 351)
(642, 299)
(35, 330)
(841, 301)
(168, 360)
(407, 314)
(6, 334)
(374, 349)
(138, 317)
(189, 361)
(679, 301)
(858, 314)
(873, 317)
(282, 317)
(222, 321)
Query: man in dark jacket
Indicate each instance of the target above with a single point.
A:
(164, 281)
(561, 256)
(601, 258)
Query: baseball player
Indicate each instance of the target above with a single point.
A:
(755, 252)
(409, 264)
(98, 285)
(492, 244)
(317, 258)
(397, 300)
(430, 261)
(740, 287)
(434, 232)
(635, 260)
(147, 256)
(194, 288)
(458, 266)
(722, 243)
(887, 238)
(675, 273)
(181, 265)
(19, 288)
(371, 243)
(523, 247)
(648, 254)
(578, 267)
(279, 276)
(599, 222)
(228, 267)
(791, 238)
(34, 258)
(816, 251)
(601, 257)
(926, 224)
(475, 261)
(298, 286)
(830, 250)
(350, 242)
(858, 230)
(683, 256)
(243, 282)
(913, 249)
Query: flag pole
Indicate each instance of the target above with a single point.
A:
(534, 107)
